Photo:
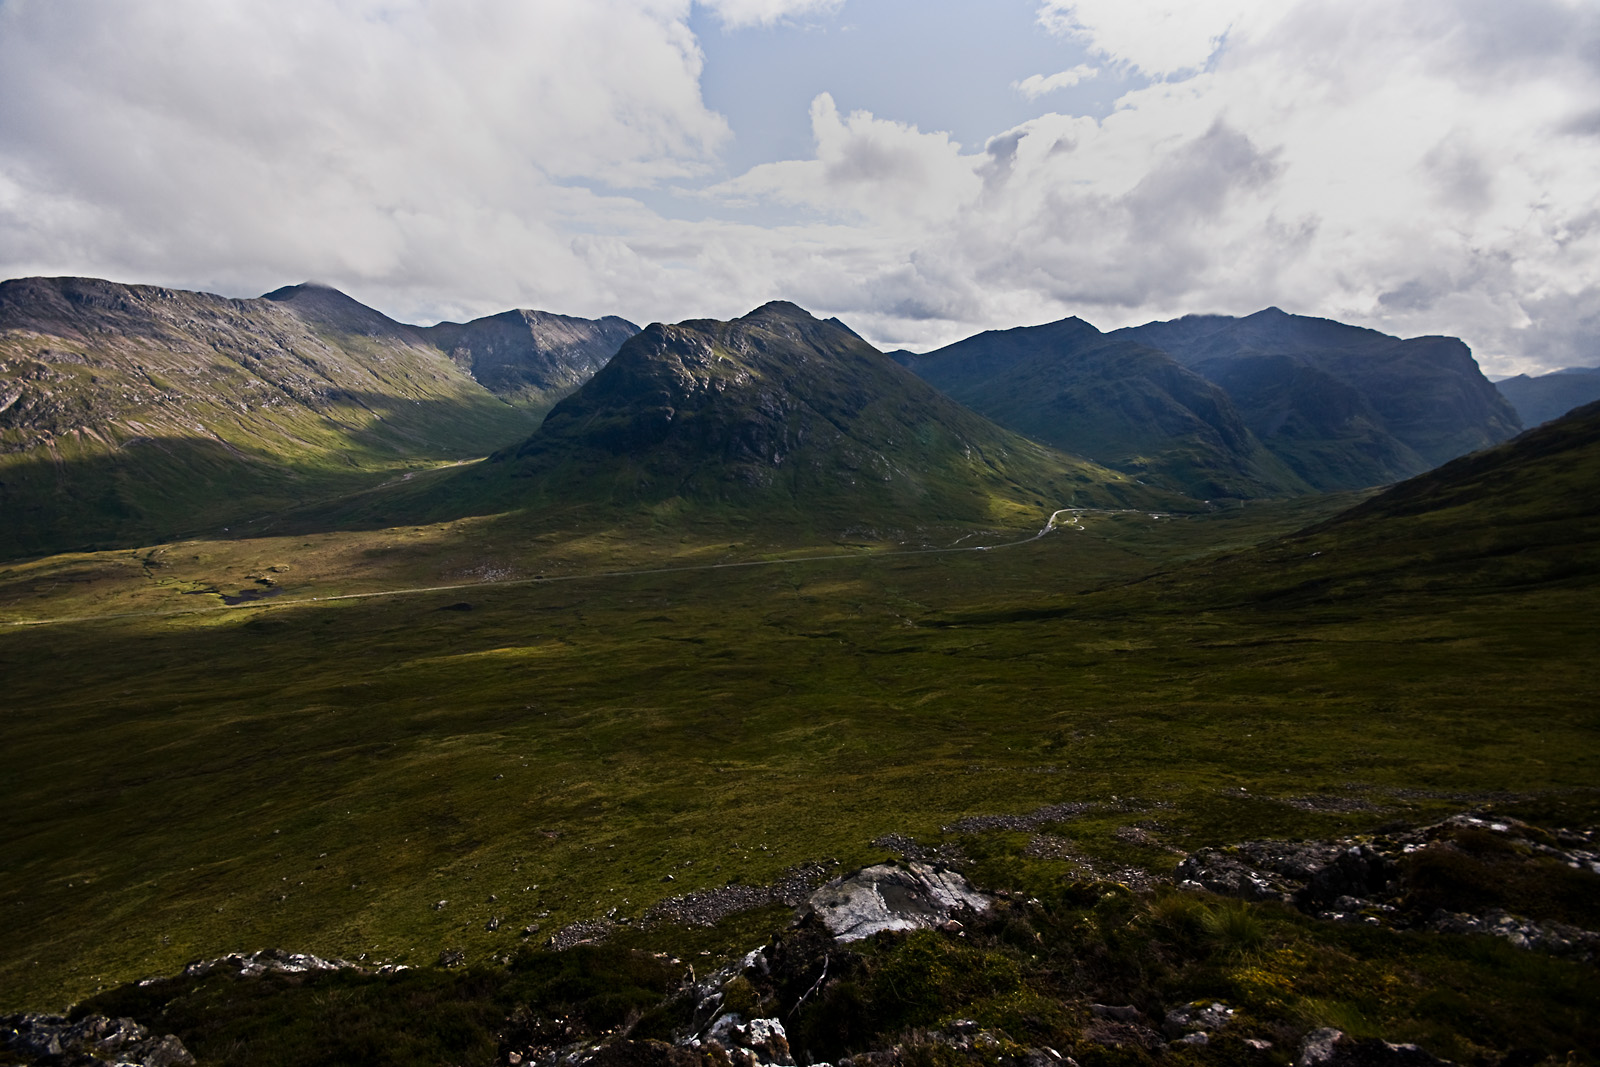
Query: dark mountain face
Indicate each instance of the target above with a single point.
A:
(532, 358)
(1118, 402)
(1549, 396)
(1342, 405)
(779, 410)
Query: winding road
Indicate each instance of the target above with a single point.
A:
(278, 602)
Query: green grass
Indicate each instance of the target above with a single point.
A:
(316, 776)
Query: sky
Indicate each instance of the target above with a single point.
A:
(922, 169)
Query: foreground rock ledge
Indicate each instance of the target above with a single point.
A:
(893, 897)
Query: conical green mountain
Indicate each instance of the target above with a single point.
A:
(1119, 402)
(780, 414)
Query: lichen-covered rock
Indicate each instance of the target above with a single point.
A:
(893, 897)
(751, 1044)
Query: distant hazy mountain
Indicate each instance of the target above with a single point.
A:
(1552, 395)
(532, 358)
(781, 413)
(1116, 401)
(528, 358)
(1343, 406)
(130, 413)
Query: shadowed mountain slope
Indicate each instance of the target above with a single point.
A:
(1118, 402)
(1549, 396)
(531, 358)
(132, 413)
(1521, 516)
(781, 413)
(1344, 406)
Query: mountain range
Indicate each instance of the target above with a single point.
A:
(1120, 402)
(1267, 405)
(784, 413)
(1540, 398)
(135, 413)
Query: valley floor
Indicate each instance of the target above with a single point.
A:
(554, 725)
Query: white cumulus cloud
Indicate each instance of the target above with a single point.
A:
(1425, 167)
(1037, 85)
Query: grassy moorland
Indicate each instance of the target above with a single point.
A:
(184, 778)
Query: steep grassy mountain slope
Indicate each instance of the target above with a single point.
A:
(1549, 396)
(1522, 516)
(132, 413)
(1345, 407)
(1117, 402)
(792, 418)
(531, 358)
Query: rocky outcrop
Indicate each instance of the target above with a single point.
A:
(279, 961)
(1410, 879)
(893, 897)
(1333, 1048)
(88, 1042)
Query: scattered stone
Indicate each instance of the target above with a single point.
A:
(493, 924)
(53, 1039)
(1034, 820)
(452, 957)
(949, 855)
(1195, 1018)
(1052, 847)
(707, 907)
(1332, 1048)
(1360, 881)
(271, 960)
(438, 905)
(579, 933)
(1557, 939)
(891, 897)
(757, 1042)
(530, 929)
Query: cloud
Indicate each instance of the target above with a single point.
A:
(1037, 85)
(1157, 37)
(735, 14)
(1425, 167)
(865, 167)
(404, 143)
(1422, 168)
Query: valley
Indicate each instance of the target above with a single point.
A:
(757, 607)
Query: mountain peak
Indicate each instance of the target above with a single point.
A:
(780, 309)
(324, 305)
(780, 410)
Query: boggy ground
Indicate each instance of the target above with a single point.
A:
(320, 775)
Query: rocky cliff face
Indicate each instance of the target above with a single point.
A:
(132, 413)
(532, 358)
